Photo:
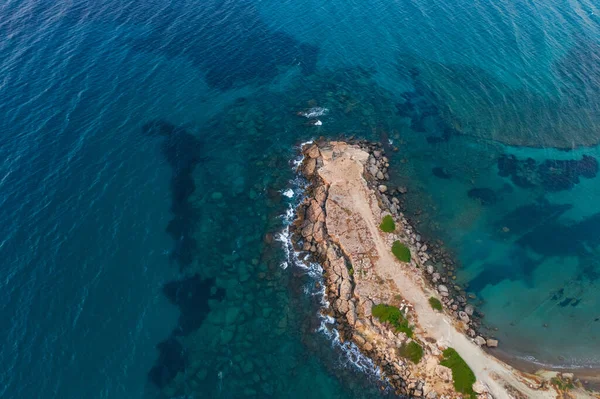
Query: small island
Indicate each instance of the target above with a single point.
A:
(385, 296)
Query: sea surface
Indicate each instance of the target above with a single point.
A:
(147, 156)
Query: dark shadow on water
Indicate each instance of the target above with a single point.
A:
(172, 359)
(518, 266)
(191, 296)
(183, 152)
(227, 40)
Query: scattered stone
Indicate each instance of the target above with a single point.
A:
(382, 188)
(443, 372)
(492, 343)
(479, 340)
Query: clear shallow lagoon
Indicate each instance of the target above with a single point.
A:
(146, 147)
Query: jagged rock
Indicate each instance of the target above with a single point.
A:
(377, 154)
(351, 314)
(314, 212)
(309, 167)
(341, 305)
(360, 341)
(435, 277)
(321, 195)
(469, 309)
(491, 343)
(345, 290)
(313, 152)
(479, 340)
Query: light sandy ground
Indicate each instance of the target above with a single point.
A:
(348, 191)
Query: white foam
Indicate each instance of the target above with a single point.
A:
(288, 193)
(314, 112)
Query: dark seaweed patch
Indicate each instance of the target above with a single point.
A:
(565, 302)
(518, 266)
(191, 296)
(183, 152)
(485, 195)
(440, 172)
(552, 175)
(529, 216)
(172, 359)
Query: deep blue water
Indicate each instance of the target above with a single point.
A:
(145, 148)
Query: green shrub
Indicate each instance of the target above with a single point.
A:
(401, 251)
(462, 375)
(435, 304)
(392, 315)
(411, 351)
(562, 385)
(387, 224)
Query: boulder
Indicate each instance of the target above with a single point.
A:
(463, 316)
(479, 340)
(313, 152)
(309, 167)
(430, 269)
(491, 343)
(443, 290)
(469, 309)
(382, 188)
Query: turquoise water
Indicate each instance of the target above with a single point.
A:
(146, 149)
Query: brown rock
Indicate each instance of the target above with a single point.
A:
(492, 343)
(313, 152)
(309, 167)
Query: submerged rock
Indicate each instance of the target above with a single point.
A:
(485, 195)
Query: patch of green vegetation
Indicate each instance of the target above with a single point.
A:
(411, 351)
(401, 251)
(387, 224)
(435, 304)
(562, 384)
(351, 271)
(393, 316)
(462, 375)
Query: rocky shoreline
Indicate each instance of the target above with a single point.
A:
(327, 230)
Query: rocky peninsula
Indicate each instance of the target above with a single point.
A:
(384, 292)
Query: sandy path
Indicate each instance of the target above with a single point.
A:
(349, 190)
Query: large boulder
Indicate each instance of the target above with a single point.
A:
(313, 152)
(443, 290)
(492, 343)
